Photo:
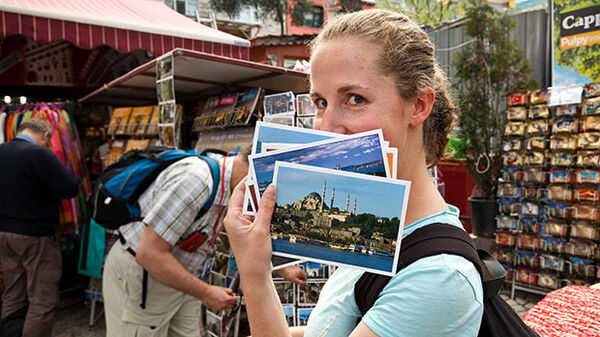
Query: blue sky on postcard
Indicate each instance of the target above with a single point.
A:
(382, 199)
(268, 134)
(344, 153)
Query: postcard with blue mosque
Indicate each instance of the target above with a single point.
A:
(338, 217)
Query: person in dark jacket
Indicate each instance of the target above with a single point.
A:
(33, 181)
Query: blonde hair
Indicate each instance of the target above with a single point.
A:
(409, 56)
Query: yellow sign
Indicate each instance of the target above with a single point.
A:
(580, 40)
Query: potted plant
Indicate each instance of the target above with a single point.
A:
(487, 70)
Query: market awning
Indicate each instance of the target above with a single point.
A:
(125, 25)
(197, 75)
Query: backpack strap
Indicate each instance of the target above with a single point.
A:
(216, 176)
(434, 239)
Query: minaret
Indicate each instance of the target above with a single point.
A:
(354, 209)
(332, 197)
(323, 196)
(347, 202)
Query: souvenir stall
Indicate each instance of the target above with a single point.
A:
(190, 99)
(549, 228)
(56, 51)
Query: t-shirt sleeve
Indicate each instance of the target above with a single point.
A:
(179, 198)
(427, 300)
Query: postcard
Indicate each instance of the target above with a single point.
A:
(223, 243)
(220, 263)
(306, 107)
(290, 314)
(281, 120)
(167, 134)
(217, 279)
(392, 157)
(285, 290)
(232, 270)
(279, 104)
(214, 323)
(308, 293)
(164, 66)
(280, 262)
(361, 153)
(165, 90)
(315, 270)
(137, 144)
(305, 122)
(119, 120)
(268, 147)
(361, 228)
(166, 112)
(274, 133)
(303, 315)
(139, 119)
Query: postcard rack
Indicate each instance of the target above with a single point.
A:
(548, 229)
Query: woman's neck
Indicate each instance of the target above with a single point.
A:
(424, 199)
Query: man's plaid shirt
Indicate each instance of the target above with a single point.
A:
(173, 200)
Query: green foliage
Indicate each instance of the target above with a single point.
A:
(427, 12)
(300, 8)
(582, 60)
(457, 147)
(486, 71)
(276, 9)
(368, 224)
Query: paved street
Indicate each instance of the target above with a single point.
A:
(73, 317)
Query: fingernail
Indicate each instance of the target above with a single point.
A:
(270, 191)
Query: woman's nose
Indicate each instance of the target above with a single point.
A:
(332, 121)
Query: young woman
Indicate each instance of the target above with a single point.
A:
(373, 70)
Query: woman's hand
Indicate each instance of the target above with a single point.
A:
(250, 237)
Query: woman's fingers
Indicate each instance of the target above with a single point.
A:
(262, 221)
(236, 201)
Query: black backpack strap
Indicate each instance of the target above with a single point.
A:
(434, 239)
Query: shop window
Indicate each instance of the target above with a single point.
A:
(248, 14)
(307, 15)
(314, 18)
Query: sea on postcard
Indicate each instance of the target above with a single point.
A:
(338, 217)
(362, 154)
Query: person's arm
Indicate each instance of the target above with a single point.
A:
(52, 173)
(297, 331)
(154, 255)
(251, 245)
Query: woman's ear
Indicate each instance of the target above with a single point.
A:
(423, 104)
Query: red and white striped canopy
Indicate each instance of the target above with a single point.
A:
(125, 25)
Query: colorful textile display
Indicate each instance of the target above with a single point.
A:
(65, 144)
(571, 311)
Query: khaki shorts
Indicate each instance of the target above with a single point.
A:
(168, 312)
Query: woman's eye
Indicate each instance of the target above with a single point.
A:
(321, 103)
(355, 99)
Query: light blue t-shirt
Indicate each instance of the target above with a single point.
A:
(439, 295)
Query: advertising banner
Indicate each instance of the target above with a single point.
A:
(576, 42)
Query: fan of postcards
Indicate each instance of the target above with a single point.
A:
(548, 195)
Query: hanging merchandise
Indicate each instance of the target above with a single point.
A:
(549, 196)
(170, 116)
(65, 143)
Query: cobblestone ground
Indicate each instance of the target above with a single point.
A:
(72, 319)
(522, 302)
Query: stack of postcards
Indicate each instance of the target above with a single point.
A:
(338, 199)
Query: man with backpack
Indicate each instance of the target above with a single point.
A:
(33, 181)
(149, 281)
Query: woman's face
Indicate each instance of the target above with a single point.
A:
(352, 94)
